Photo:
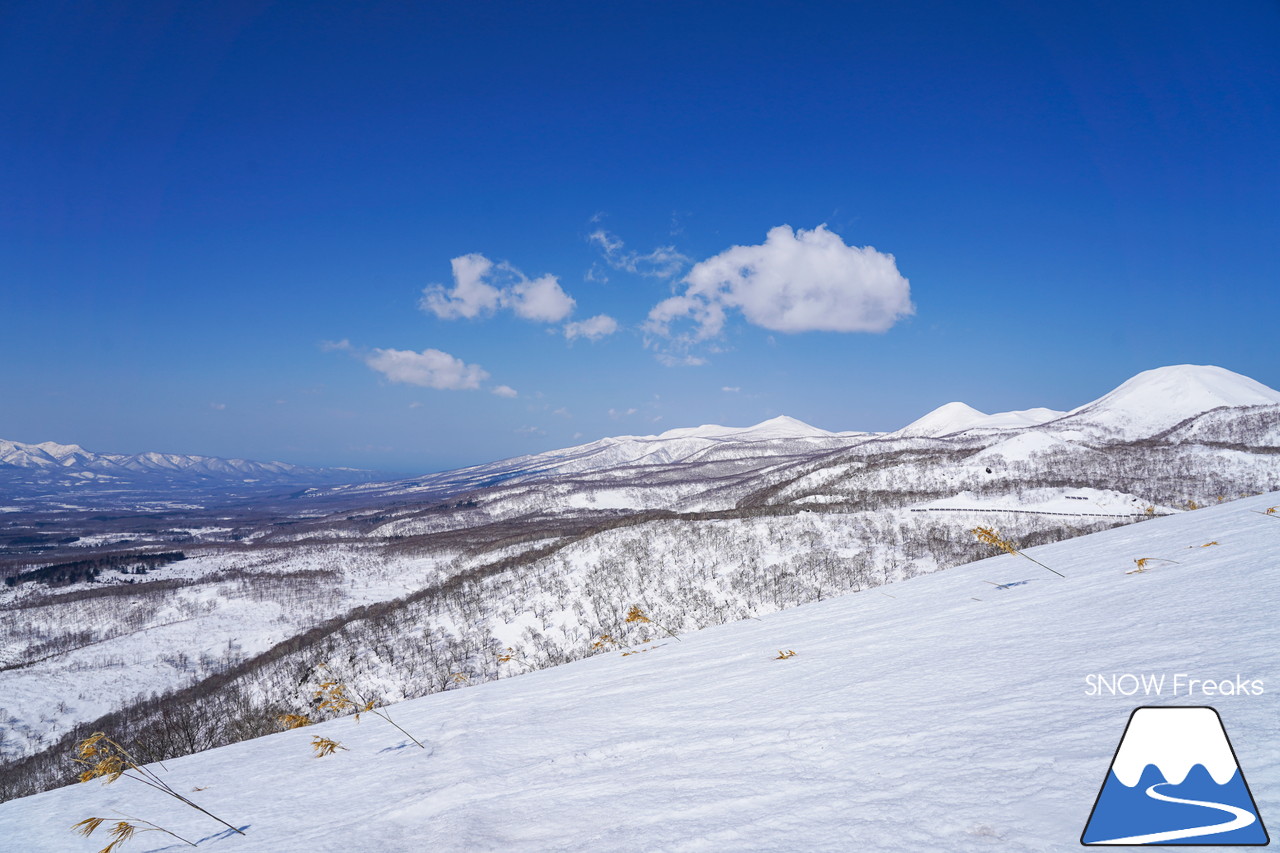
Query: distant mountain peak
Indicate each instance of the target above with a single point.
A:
(60, 451)
(781, 426)
(947, 418)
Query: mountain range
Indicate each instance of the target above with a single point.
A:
(1210, 403)
(64, 471)
(1189, 399)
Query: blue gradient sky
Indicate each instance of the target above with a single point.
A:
(195, 198)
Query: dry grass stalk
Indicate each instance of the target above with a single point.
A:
(635, 614)
(122, 831)
(991, 537)
(1142, 562)
(104, 757)
(294, 721)
(784, 655)
(342, 698)
(325, 746)
(510, 655)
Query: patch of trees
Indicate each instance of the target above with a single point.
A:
(77, 571)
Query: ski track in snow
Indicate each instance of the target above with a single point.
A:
(1241, 819)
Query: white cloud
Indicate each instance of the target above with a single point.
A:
(796, 281)
(731, 389)
(541, 299)
(470, 296)
(563, 412)
(430, 368)
(662, 262)
(505, 391)
(707, 314)
(481, 287)
(621, 413)
(530, 430)
(218, 406)
(593, 328)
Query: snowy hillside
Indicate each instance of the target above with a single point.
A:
(941, 713)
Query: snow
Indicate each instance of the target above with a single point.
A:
(1158, 399)
(1023, 446)
(1078, 501)
(779, 427)
(935, 714)
(944, 420)
(955, 417)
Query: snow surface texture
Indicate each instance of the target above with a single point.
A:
(939, 713)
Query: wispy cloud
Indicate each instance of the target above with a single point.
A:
(662, 262)
(682, 360)
(505, 391)
(796, 281)
(482, 287)
(731, 389)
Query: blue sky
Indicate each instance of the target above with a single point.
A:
(232, 228)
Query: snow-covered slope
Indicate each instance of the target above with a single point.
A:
(1158, 399)
(943, 713)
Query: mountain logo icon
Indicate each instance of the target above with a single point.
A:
(1175, 780)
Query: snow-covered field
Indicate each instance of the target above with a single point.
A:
(940, 713)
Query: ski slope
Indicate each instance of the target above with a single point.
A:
(939, 713)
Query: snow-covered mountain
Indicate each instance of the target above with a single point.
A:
(953, 713)
(1151, 402)
(1159, 399)
(52, 465)
(953, 418)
